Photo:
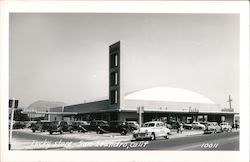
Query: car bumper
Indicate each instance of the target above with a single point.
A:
(141, 136)
(208, 131)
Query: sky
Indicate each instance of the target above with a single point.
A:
(64, 57)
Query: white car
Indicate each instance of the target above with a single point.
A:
(212, 127)
(151, 130)
(226, 127)
(197, 125)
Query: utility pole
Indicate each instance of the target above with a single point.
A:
(140, 110)
(12, 104)
(230, 101)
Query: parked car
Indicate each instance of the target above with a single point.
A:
(29, 123)
(41, 126)
(132, 125)
(60, 126)
(151, 131)
(172, 125)
(96, 124)
(118, 126)
(80, 126)
(187, 126)
(18, 125)
(212, 127)
(204, 123)
(226, 127)
(197, 125)
(169, 126)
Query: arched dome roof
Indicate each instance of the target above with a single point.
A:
(168, 94)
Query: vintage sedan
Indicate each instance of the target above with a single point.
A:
(96, 124)
(18, 125)
(80, 126)
(212, 127)
(226, 127)
(187, 126)
(41, 126)
(151, 131)
(60, 126)
(132, 125)
(198, 125)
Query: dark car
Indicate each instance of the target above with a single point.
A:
(29, 123)
(96, 125)
(80, 126)
(132, 125)
(19, 125)
(173, 124)
(41, 126)
(204, 123)
(119, 126)
(60, 126)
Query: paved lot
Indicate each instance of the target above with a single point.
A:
(208, 142)
(24, 139)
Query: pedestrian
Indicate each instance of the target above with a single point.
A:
(178, 126)
(236, 125)
(181, 127)
(233, 126)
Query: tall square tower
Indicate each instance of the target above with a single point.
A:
(114, 75)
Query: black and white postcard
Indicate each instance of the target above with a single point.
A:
(125, 81)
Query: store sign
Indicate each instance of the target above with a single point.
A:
(13, 103)
(140, 109)
(227, 110)
(193, 110)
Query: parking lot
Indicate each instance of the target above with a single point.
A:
(25, 139)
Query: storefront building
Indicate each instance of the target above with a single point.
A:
(159, 103)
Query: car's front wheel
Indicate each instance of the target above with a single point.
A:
(152, 137)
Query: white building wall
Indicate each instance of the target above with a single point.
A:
(170, 106)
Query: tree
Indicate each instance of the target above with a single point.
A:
(19, 116)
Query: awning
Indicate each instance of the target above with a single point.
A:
(50, 113)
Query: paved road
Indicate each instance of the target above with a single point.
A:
(208, 142)
(221, 141)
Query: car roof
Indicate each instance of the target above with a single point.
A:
(153, 122)
(97, 120)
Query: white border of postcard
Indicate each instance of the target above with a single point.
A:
(241, 8)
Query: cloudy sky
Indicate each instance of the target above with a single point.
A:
(64, 57)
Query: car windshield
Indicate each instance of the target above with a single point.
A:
(149, 125)
(84, 122)
(55, 122)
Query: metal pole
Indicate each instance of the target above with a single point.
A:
(139, 117)
(11, 123)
